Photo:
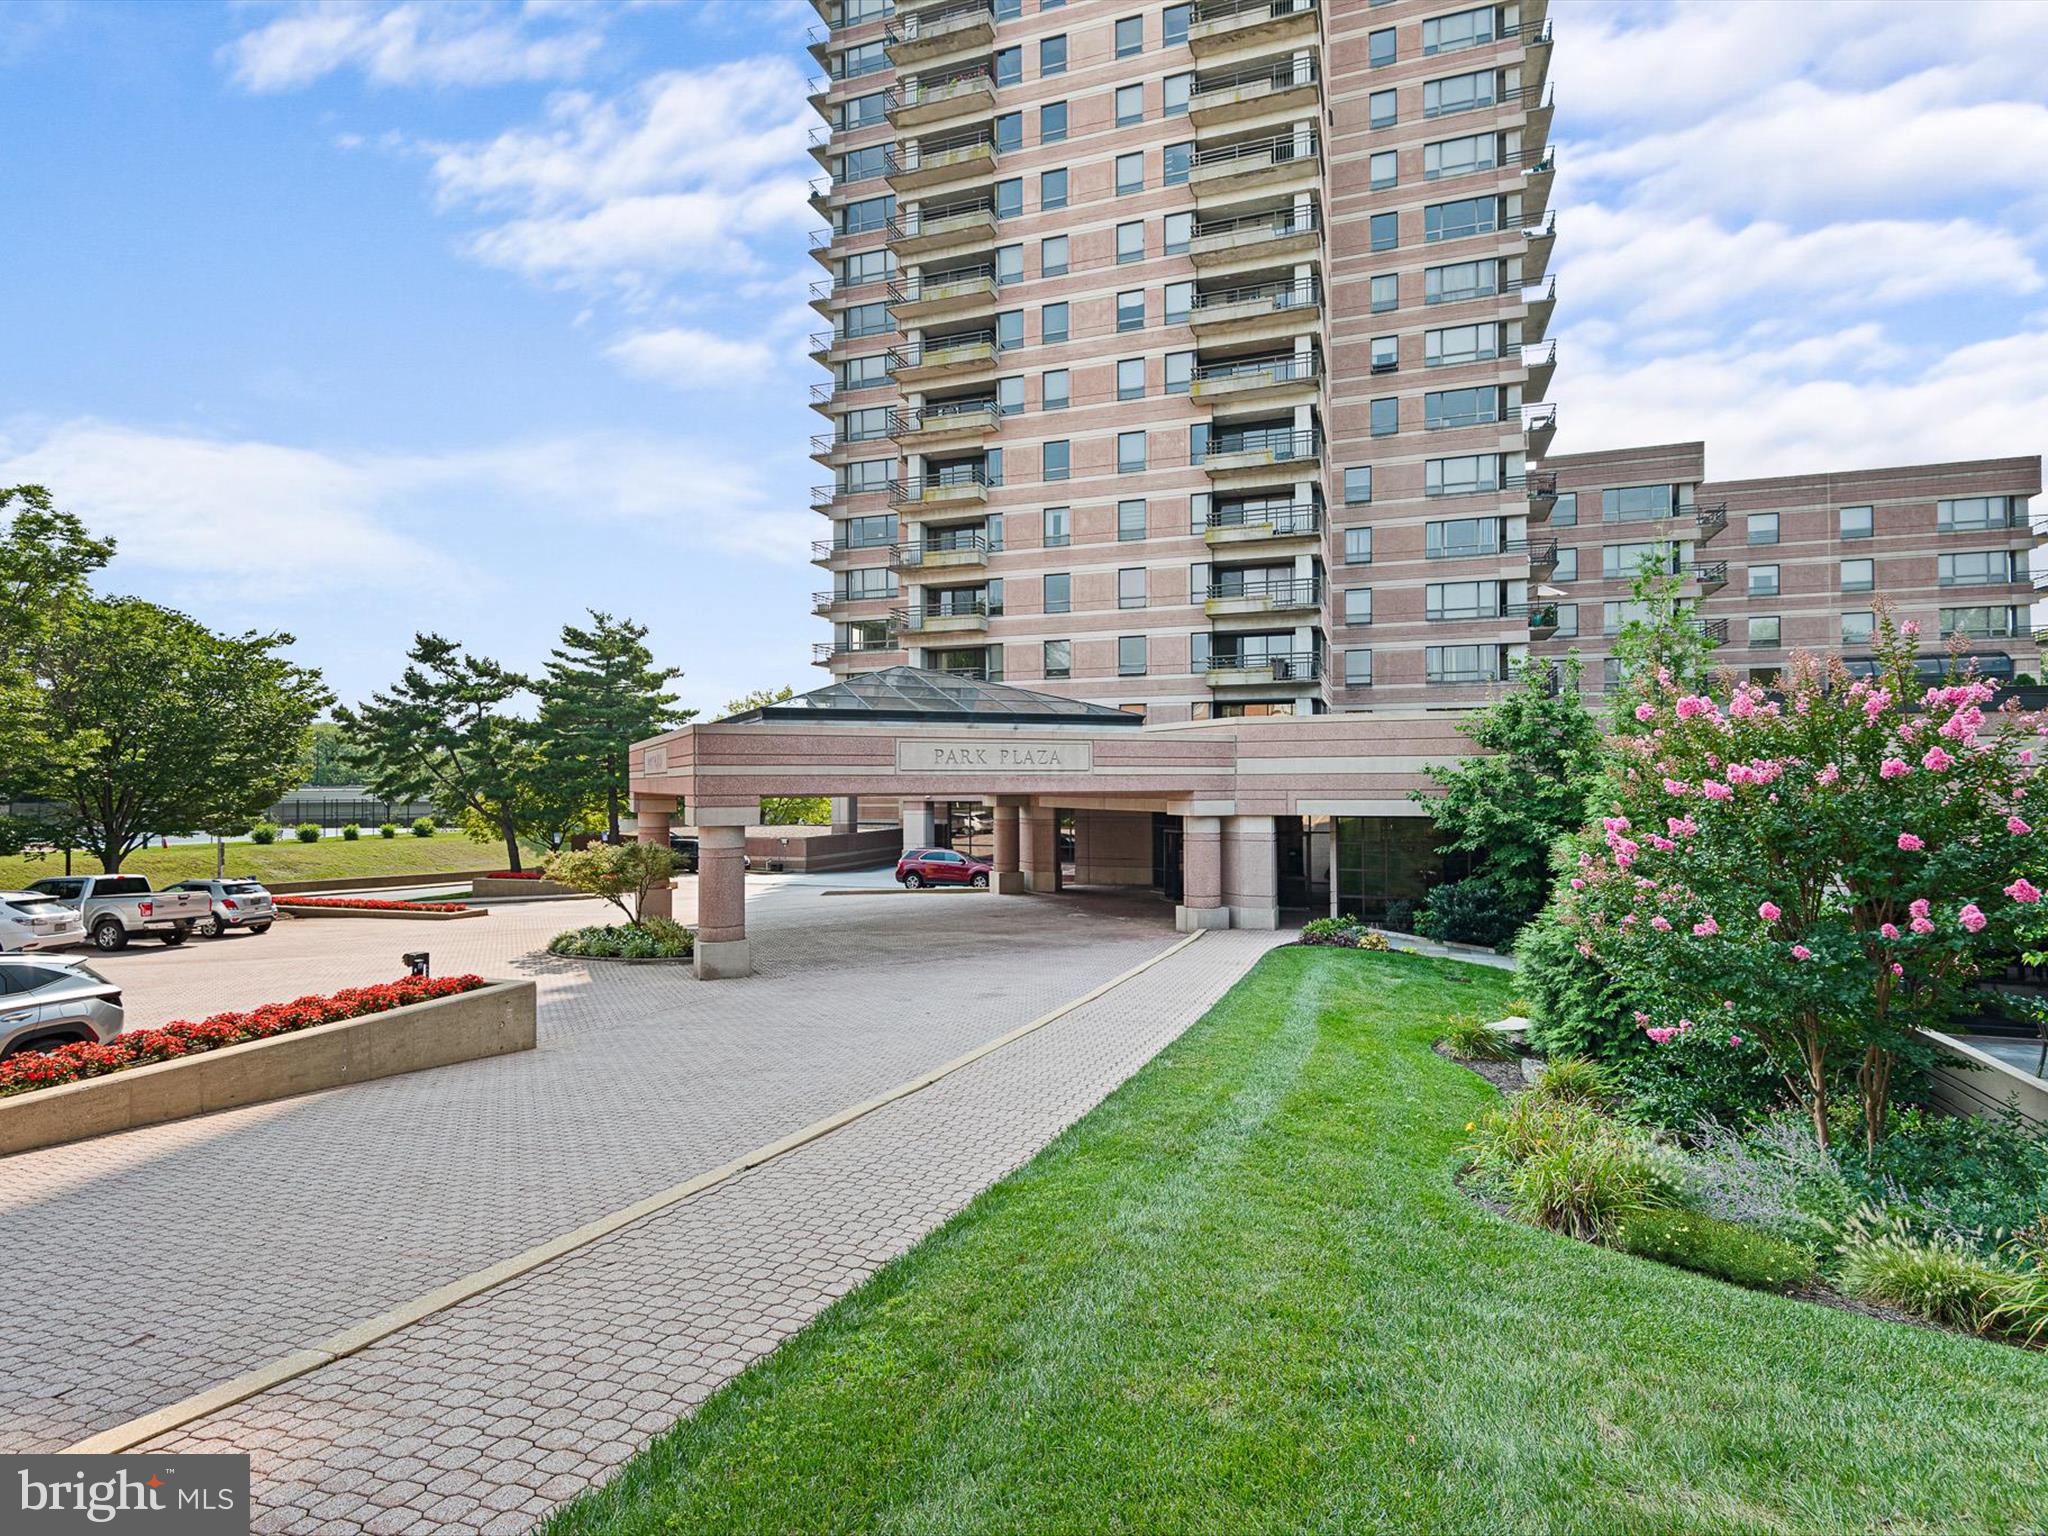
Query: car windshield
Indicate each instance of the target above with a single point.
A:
(242, 888)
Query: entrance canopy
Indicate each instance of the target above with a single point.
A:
(914, 695)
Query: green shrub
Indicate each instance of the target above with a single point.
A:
(1468, 1038)
(1574, 1080)
(1469, 912)
(1400, 916)
(1575, 1007)
(1725, 1249)
(387, 829)
(351, 832)
(1703, 1074)
(2022, 1313)
(424, 827)
(307, 831)
(1568, 1167)
(264, 832)
(653, 938)
(1936, 1276)
(1339, 931)
(1985, 1176)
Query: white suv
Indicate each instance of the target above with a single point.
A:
(30, 921)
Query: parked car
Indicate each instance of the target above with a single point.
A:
(46, 1002)
(117, 908)
(941, 866)
(235, 904)
(30, 921)
(685, 850)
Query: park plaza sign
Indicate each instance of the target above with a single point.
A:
(927, 756)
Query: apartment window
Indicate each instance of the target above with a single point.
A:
(1130, 36)
(1763, 630)
(1130, 655)
(1009, 132)
(1055, 533)
(1859, 575)
(1855, 522)
(1385, 167)
(1358, 546)
(1763, 581)
(1009, 396)
(864, 372)
(1458, 93)
(864, 426)
(1379, 47)
(1130, 521)
(1173, 24)
(1052, 122)
(1052, 319)
(1130, 310)
(1130, 173)
(1358, 485)
(1052, 55)
(1059, 658)
(1055, 390)
(1009, 10)
(1176, 162)
(992, 470)
(1964, 513)
(864, 267)
(1457, 220)
(1057, 459)
(1386, 231)
(1459, 537)
(1465, 29)
(1180, 298)
(1763, 528)
(1386, 417)
(1380, 109)
(864, 111)
(1461, 407)
(1463, 475)
(1358, 605)
(1009, 264)
(1130, 105)
(869, 532)
(1614, 616)
(1130, 378)
(1983, 623)
(867, 320)
(1640, 503)
(1052, 257)
(1180, 231)
(1009, 329)
(867, 475)
(1461, 663)
(1567, 568)
(1130, 241)
(1461, 600)
(1982, 568)
(1009, 65)
(1459, 157)
(1386, 293)
(1198, 442)
(1857, 628)
(1568, 621)
(1623, 562)
(1564, 512)
(1180, 372)
(1010, 198)
(862, 165)
(1458, 280)
(1358, 669)
(1130, 586)
(1174, 93)
(1386, 354)
(1059, 592)
(1130, 452)
(1052, 188)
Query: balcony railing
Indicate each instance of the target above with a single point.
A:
(825, 549)
(907, 28)
(1285, 519)
(939, 221)
(827, 650)
(1504, 98)
(1274, 296)
(921, 615)
(1278, 224)
(925, 90)
(915, 354)
(914, 488)
(918, 551)
(1280, 74)
(1276, 591)
(1283, 666)
(959, 283)
(1281, 149)
(1711, 520)
(1287, 369)
(1218, 10)
(1285, 445)
(963, 414)
(938, 154)
(1711, 575)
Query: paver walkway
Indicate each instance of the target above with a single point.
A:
(231, 1240)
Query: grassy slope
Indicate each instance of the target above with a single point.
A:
(1243, 1295)
(330, 858)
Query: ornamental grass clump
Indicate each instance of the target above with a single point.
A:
(1568, 1167)
(1575, 1080)
(1820, 872)
(1470, 1038)
(1936, 1276)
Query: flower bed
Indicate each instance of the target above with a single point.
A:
(137, 1048)
(371, 904)
(513, 874)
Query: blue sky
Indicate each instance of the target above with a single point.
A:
(359, 318)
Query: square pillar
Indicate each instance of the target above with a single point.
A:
(652, 820)
(845, 813)
(1039, 849)
(1251, 871)
(1201, 880)
(916, 817)
(1008, 878)
(722, 947)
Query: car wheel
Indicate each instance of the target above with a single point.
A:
(259, 928)
(979, 880)
(913, 880)
(108, 934)
(208, 927)
(173, 937)
(41, 1043)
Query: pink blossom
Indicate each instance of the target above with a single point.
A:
(2022, 890)
(1645, 712)
(1769, 911)
(1661, 844)
(1801, 952)
(1922, 925)
(1693, 704)
(1661, 924)
(1578, 884)
(2017, 827)
(1742, 706)
(1908, 843)
(1615, 823)
(1890, 930)
(1876, 704)
(1898, 969)
(1972, 919)
(1935, 760)
(1735, 1039)
(2026, 755)
(1676, 786)
(1827, 775)
(1706, 927)
(1713, 789)
(1662, 1034)
(1642, 1017)
(1919, 908)
(1893, 768)
(1910, 628)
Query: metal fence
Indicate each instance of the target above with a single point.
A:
(341, 809)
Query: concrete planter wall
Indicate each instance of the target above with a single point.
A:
(491, 1021)
(485, 886)
(1987, 1087)
(436, 878)
(383, 912)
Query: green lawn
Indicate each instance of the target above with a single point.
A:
(332, 858)
(1244, 1296)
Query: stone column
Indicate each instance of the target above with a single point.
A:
(916, 817)
(845, 813)
(1201, 880)
(1008, 879)
(652, 817)
(1040, 849)
(1251, 871)
(722, 946)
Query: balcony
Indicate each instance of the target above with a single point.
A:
(943, 552)
(1541, 241)
(1266, 381)
(1221, 26)
(1241, 671)
(1285, 162)
(967, 615)
(1269, 310)
(952, 488)
(827, 446)
(935, 32)
(953, 229)
(825, 551)
(1711, 520)
(1542, 305)
(963, 294)
(932, 99)
(950, 357)
(825, 602)
(1283, 232)
(1539, 431)
(1231, 457)
(1226, 599)
(925, 166)
(952, 424)
(1542, 494)
(1540, 553)
(1711, 575)
(1264, 523)
(1229, 95)
(826, 652)
(1537, 181)
(1542, 368)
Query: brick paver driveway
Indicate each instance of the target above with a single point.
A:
(177, 1257)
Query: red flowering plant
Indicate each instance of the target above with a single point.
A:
(139, 1047)
(1819, 872)
(371, 904)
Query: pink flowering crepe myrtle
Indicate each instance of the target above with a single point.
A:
(1873, 827)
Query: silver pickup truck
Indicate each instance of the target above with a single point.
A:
(117, 908)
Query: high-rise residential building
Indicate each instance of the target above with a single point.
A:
(1193, 358)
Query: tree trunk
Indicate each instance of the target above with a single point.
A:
(611, 804)
(1874, 1087)
(1816, 1083)
(511, 843)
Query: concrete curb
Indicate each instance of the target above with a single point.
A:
(123, 1437)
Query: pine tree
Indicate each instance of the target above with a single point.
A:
(601, 693)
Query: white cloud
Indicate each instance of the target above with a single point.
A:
(691, 359)
(446, 42)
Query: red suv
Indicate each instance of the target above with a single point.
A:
(941, 866)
